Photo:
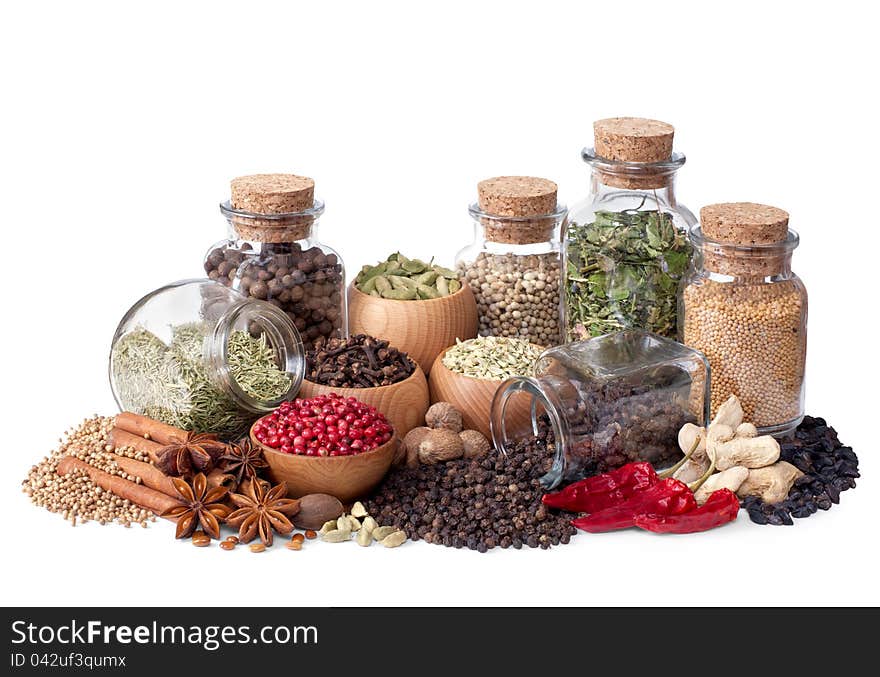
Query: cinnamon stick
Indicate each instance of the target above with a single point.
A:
(124, 438)
(150, 475)
(136, 493)
(218, 478)
(149, 429)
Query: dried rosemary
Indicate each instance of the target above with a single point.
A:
(492, 357)
(172, 382)
(623, 271)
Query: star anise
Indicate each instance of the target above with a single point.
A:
(197, 452)
(262, 510)
(244, 460)
(201, 508)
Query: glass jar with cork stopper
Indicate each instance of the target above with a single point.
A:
(743, 307)
(513, 265)
(626, 244)
(273, 254)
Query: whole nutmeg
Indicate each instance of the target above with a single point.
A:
(411, 442)
(315, 510)
(440, 445)
(442, 415)
(475, 443)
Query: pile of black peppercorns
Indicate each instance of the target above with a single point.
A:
(829, 469)
(482, 503)
(305, 284)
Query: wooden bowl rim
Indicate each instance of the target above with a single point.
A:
(447, 298)
(331, 459)
(374, 389)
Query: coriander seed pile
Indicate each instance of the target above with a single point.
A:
(75, 496)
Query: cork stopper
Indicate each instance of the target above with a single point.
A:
(511, 200)
(744, 223)
(747, 226)
(273, 195)
(633, 139)
(627, 151)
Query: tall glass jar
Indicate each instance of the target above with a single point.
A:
(513, 265)
(273, 253)
(200, 356)
(626, 245)
(609, 400)
(746, 310)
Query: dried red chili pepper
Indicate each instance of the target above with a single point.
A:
(721, 507)
(666, 497)
(603, 491)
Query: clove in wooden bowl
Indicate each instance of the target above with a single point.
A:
(404, 404)
(348, 478)
(421, 329)
(473, 398)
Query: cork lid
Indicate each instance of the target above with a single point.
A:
(272, 193)
(517, 196)
(272, 207)
(633, 139)
(744, 223)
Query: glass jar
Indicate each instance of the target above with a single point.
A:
(200, 356)
(513, 265)
(609, 401)
(746, 310)
(626, 245)
(273, 254)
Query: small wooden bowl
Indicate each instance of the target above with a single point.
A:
(404, 404)
(419, 328)
(348, 478)
(473, 398)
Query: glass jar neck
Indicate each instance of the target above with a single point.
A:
(269, 324)
(505, 232)
(758, 262)
(653, 181)
(661, 196)
(535, 394)
(266, 229)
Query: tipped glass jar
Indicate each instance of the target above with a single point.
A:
(513, 265)
(609, 401)
(200, 356)
(273, 253)
(746, 310)
(626, 245)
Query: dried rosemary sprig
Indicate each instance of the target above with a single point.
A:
(492, 357)
(171, 383)
(623, 271)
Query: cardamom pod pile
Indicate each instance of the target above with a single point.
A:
(402, 279)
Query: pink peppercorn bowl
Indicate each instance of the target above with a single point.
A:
(348, 478)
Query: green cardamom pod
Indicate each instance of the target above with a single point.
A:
(382, 284)
(427, 292)
(442, 286)
(428, 277)
(445, 272)
(400, 294)
(368, 286)
(454, 286)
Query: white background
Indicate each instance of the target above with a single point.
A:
(122, 127)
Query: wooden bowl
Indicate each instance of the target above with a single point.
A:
(473, 398)
(419, 328)
(404, 404)
(348, 478)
